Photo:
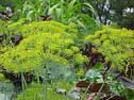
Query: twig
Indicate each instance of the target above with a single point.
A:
(86, 91)
(110, 97)
(99, 91)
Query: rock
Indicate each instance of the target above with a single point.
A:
(9, 12)
(61, 91)
(74, 94)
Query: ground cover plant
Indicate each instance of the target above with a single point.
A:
(66, 50)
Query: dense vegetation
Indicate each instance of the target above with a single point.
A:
(66, 50)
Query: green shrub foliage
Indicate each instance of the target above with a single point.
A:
(43, 42)
(116, 45)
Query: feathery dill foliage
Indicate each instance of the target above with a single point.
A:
(116, 45)
(43, 42)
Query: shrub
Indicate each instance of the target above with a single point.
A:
(116, 45)
(43, 42)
